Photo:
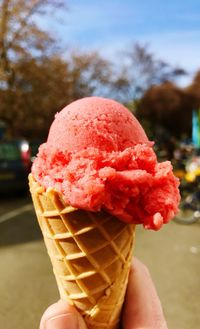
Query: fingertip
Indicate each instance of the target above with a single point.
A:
(138, 267)
(62, 315)
(142, 307)
(57, 309)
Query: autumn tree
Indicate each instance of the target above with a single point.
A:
(44, 86)
(89, 74)
(35, 80)
(168, 110)
(161, 105)
(20, 34)
(193, 92)
(24, 46)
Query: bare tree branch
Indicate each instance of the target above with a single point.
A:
(23, 23)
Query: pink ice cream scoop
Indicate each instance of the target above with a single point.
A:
(98, 156)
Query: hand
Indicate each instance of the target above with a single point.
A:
(142, 307)
(62, 315)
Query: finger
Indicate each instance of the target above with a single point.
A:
(62, 315)
(142, 307)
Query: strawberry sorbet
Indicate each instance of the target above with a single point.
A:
(98, 157)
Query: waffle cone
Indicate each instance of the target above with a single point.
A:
(90, 253)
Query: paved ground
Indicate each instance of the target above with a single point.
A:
(27, 285)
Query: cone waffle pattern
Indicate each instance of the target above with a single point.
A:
(90, 254)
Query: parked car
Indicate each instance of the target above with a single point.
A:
(15, 164)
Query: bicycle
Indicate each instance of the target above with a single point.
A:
(190, 193)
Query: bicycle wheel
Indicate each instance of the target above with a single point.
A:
(186, 215)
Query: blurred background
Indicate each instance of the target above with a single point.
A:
(143, 54)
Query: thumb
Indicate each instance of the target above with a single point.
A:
(62, 315)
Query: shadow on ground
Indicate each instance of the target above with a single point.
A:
(20, 229)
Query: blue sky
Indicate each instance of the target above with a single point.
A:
(171, 28)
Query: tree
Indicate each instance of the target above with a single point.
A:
(171, 107)
(89, 74)
(141, 70)
(20, 35)
(193, 92)
(24, 50)
(44, 86)
(35, 80)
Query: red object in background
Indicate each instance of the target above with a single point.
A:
(26, 155)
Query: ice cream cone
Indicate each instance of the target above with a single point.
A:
(90, 253)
